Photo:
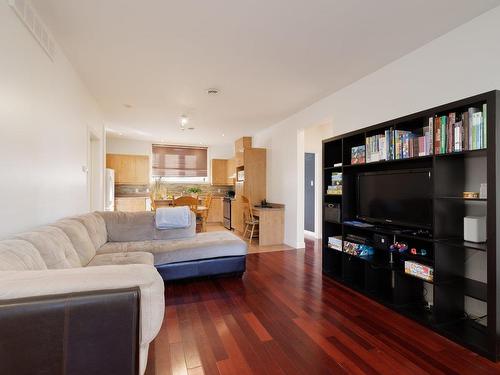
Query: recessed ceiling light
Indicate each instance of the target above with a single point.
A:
(223, 135)
(213, 91)
(184, 120)
(120, 133)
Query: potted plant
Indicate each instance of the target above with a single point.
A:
(194, 191)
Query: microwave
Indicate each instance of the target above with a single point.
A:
(240, 176)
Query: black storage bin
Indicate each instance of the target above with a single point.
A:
(332, 212)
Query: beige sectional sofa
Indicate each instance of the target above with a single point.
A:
(108, 251)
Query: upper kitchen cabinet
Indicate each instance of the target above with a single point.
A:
(231, 171)
(239, 148)
(129, 169)
(220, 170)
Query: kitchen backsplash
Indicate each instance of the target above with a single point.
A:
(172, 189)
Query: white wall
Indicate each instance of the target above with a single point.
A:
(138, 147)
(127, 146)
(45, 117)
(461, 63)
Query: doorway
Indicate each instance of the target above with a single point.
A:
(309, 191)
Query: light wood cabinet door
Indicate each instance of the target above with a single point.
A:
(129, 169)
(215, 213)
(240, 145)
(130, 204)
(142, 172)
(237, 221)
(219, 172)
(255, 175)
(231, 171)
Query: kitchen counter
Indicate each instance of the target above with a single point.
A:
(133, 195)
(271, 224)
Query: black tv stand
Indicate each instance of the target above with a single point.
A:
(439, 304)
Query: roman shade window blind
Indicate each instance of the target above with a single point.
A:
(179, 161)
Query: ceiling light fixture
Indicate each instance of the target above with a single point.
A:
(213, 91)
(184, 121)
(223, 135)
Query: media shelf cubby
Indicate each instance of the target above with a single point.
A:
(441, 303)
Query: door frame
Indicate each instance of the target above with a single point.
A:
(314, 155)
(95, 171)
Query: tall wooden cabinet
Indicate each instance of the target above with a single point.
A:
(239, 148)
(251, 161)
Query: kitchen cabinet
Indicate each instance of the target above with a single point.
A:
(231, 171)
(129, 169)
(237, 222)
(219, 172)
(215, 213)
(130, 204)
(239, 148)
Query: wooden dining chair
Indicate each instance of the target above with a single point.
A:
(204, 215)
(249, 218)
(186, 200)
(192, 203)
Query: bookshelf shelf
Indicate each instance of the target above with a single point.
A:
(464, 199)
(476, 289)
(451, 173)
(479, 152)
(388, 162)
(459, 242)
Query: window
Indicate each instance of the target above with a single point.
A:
(179, 163)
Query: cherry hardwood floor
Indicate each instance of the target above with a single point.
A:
(284, 317)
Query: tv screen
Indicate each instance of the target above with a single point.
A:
(398, 197)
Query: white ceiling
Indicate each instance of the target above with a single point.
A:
(269, 58)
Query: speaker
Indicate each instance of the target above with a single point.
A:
(475, 228)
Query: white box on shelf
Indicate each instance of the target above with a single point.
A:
(475, 228)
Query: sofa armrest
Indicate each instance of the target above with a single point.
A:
(78, 333)
(15, 284)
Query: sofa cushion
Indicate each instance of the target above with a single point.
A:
(173, 234)
(96, 228)
(129, 226)
(203, 246)
(79, 237)
(19, 255)
(126, 247)
(54, 246)
(138, 257)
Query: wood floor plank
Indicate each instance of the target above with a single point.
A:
(284, 317)
(257, 327)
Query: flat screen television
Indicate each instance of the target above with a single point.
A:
(396, 197)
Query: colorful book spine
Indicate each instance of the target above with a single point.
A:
(485, 125)
(437, 135)
(443, 135)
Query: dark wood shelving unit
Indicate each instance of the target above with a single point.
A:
(443, 310)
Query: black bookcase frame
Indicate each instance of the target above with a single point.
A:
(387, 283)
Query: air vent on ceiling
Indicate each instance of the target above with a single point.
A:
(32, 21)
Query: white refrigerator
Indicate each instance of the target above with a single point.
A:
(109, 204)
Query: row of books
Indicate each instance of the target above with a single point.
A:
(460, 131)
(336, 187)
(455, 132)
